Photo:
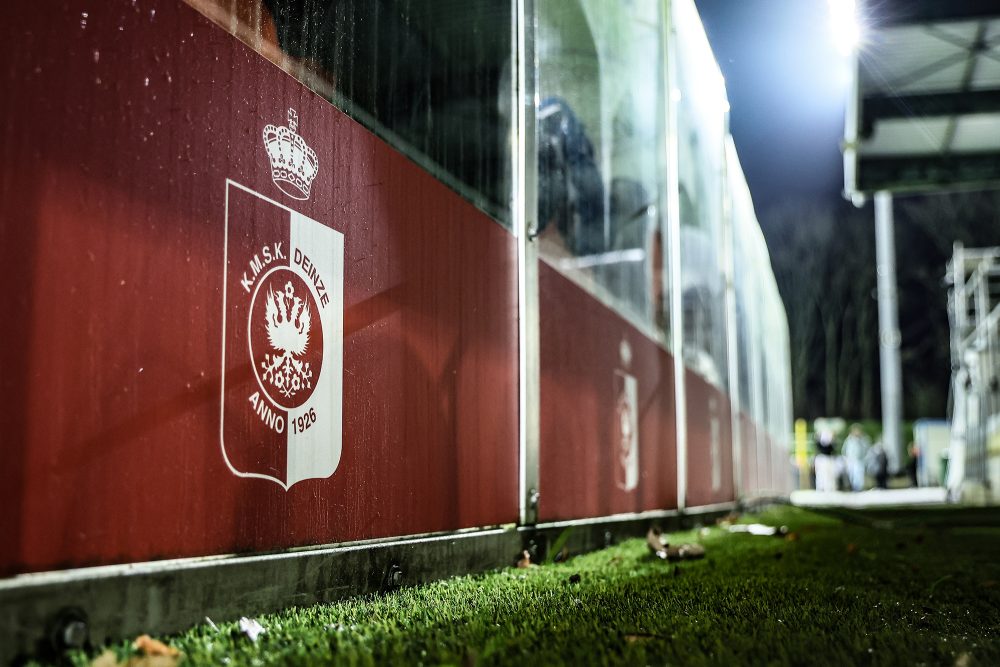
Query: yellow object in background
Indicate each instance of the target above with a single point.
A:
(801, 452)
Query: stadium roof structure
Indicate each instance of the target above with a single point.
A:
(925, 111)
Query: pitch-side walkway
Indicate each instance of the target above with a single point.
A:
(933, 495)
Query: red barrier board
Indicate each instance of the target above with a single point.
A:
(709, 443)
(608, 436)
(229, 328)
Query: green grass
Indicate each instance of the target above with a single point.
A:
(898, 588)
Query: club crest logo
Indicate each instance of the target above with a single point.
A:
(626, 424)
(282, 375)
(293, 164)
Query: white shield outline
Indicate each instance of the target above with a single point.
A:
(328, 392)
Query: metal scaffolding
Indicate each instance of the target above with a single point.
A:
(974, 312)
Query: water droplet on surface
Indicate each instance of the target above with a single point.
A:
(146, 82)
(97, 56)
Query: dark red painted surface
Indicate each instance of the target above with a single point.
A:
(765, 454)
(121, 124)
(748, 452)
(580, 346)
(709, 443)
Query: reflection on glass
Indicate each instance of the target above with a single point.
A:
(601, 150)
(427, 76)
(701, 129)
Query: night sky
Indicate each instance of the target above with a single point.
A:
(787, 84)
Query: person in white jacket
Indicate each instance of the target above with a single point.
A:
(855, 450)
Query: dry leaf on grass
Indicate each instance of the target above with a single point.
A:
(109, 659)
(525, 561)
(656, 543)
(682, 552)
(728, 520)
(106, 659)
(151, 646)
(692, 551)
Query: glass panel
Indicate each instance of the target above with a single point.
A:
(601, 150)
(701, 130)
(743, 222)
(432, 77)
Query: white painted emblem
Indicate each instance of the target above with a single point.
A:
(283, 341)
(293, 164)
(627, 422)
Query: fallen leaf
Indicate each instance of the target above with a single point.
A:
(655, 541)
(153, 661)
(109, 659)
(525, 560)
(252, 628)
(151, 646)
(692, 551)
(792, 537)
(106, 659)
(728, 520)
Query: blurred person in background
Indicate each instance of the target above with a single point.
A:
(826, 463)
(912, 463)
(855, 450)
(878, 465)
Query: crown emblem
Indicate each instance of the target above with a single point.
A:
(293, 163)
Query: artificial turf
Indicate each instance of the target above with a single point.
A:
(893, 588)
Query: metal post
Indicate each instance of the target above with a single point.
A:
(525, 198)
(888, 325)
(674, 247)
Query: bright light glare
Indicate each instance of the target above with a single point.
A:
(844, 25)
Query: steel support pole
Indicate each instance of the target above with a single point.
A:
(888, 325)
(525, 213)
(674, 248)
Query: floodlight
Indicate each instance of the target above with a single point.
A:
(844, 25)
